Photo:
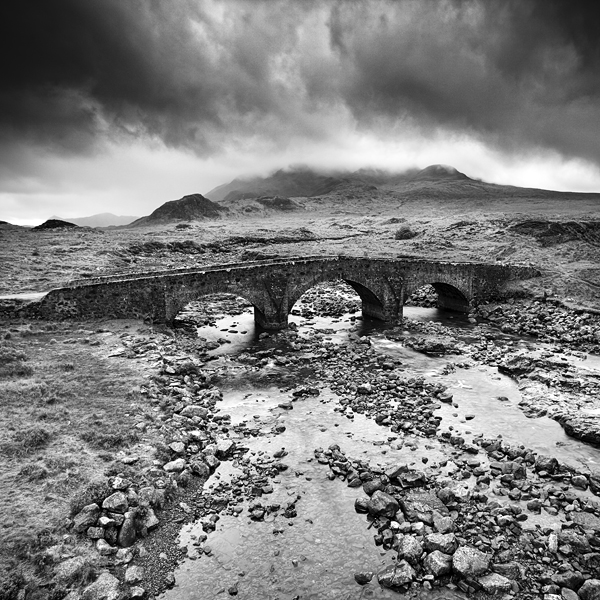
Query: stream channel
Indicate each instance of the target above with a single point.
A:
(316, 555)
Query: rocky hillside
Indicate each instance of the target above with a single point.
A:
(194, 207)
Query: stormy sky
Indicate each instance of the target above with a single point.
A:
(120, 105)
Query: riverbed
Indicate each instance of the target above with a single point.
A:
(317, 553)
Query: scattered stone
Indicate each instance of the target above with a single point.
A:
(470, 562)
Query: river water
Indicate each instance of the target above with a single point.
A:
(315, 555)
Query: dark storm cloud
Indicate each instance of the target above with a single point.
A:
(200, 75)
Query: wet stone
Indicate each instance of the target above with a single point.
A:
(437, 563)
(495, 583)
(396, 576)
(382, 505)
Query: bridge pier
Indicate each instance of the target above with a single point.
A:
(274, 321)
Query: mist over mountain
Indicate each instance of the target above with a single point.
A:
(440, 183)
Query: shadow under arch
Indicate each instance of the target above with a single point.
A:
(450, 297)
(372, 306)
(177, 302)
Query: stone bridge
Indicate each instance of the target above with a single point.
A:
(273, 286)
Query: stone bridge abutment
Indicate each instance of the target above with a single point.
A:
(274, 286)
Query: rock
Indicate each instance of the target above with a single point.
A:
(546, 463)
(191, 410)
(95, 533)
(442, 524)
(409, 549)
(127, 534)
(567, 594)
(116, 503)
(120, 484)
(364, 389)
(134, 574)
(106, 587)
(382, 505)
(177, 447)
(568, 579)
(579, 481)
(437, 563)
(175, 466)
(137, 592)
(444, 542)
(87, 517)
(72, 569)
(511, 570)
(225, 449)
(495, 584)
(363, 577)
(420, 505)
(396, 575)
(470, 562)
(586, 520)
(590, 590)
(104, 548)
(150, 520)
(212, 461)
(199, 467)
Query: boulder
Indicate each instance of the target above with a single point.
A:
(127, 533)
(116, 503)
(87, 517)
(175, 466)
(193, 410)
(495, 584)
(437, 563)
(396, 575)
(106, 587)
(470, 562)
(409, 548)
(382, 505)
(134, 574)
(590, 590)
(225, 448)
(546, 463)
(72, 569)
(444, 542)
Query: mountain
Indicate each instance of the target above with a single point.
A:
(368, 190)
(438, 173)
(287, 183)
(54, 224)
(99, 220)
(306, 183)
(189, 208)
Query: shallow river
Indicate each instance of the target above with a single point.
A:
(315, 555)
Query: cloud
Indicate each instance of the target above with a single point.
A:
(109, 102)
(205, 75)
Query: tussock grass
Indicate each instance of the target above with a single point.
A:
(62, 421)
(25, 441)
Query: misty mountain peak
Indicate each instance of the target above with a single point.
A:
(433, 172)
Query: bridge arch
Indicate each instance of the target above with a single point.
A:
(372, 305)
(450, 296)
(177, 299)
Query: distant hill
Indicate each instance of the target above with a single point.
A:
(54, 224)
(189, 208)
(100, 220)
